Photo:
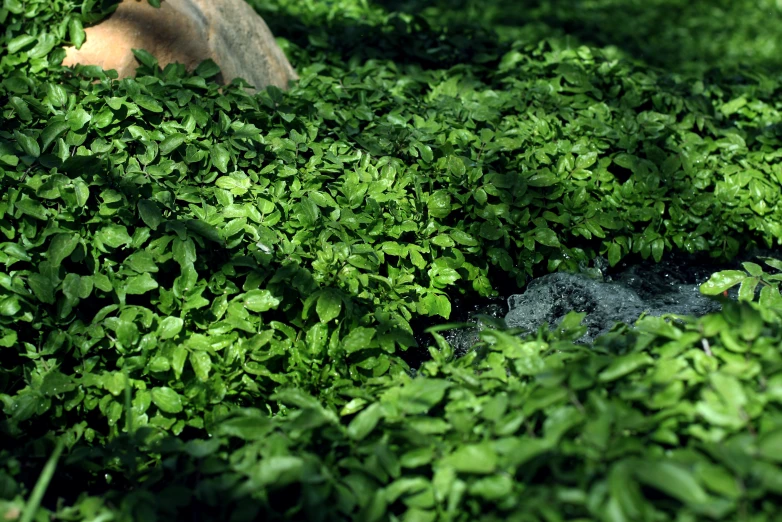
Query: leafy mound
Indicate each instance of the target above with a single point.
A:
(209, 297)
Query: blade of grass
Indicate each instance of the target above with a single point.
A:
(31, 508)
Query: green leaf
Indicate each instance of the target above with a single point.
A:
(307, 212)
(439, 204)
(236, 183)
(170, 327)
(472, 458)
(32, 208)
(141, 262)
(542, 179)
(76, 32)
(150, 213)
(614, 254)
(463, 238)
(9, 159)
(279, 471)
(20, 42)
(747, 288)
(443, 241)
(42, 287)
(435, 304)
(547, 237)
(254, 425)
(10, 306)
(29, 144)
(773, 263)
(202, 365)
(658, 246)
(61, 247)
(145, 58)
(442, 277)
(46, 42)
(494, 488)
(624, 365)
(168, 145)
(769, 445)
(220, 157)
(184, 253)
(733, 106)
(21, 108)
(148, 103)
(260, 300)
(140, 284)
(328, 306)
(584, 161)
(77, 287)
(753, 269)
(672, 479)
(207, 69)
(456, 166)
(722, 281)
(178, 358)
(52, 132)
(167, 399)
(366, 421)
(114, 236)
(82, 192)
(77, 119)
(422, 394)
(360, 338)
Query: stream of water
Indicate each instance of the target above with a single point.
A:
(606, 294)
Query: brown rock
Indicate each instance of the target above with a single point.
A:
(229, 32)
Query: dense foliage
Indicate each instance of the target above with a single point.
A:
(209, 298)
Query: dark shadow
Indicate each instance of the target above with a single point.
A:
(404, 40)
(674, 35)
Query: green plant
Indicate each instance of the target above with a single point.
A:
(749, 280)
(210, 297)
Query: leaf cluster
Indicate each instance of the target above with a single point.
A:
(208, 296)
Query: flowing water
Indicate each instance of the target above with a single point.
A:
(607, 296)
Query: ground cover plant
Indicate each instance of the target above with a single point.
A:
(210, 301)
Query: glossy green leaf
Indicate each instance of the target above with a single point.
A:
(76, 32)
(114, 236)
(260, 300)
(140, 284)
(202, 365)
(167, 399)
(671, 479)
(220, 158)
(252, 426)
(365, 422)
(547, 237)
(624, 365)
(170, 327)
(61, 247)
(721, 281)
(472, 458)
(328, 306)
(171, 142)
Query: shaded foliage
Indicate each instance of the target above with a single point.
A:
(207, 296)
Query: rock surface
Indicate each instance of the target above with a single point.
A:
(229, 32)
